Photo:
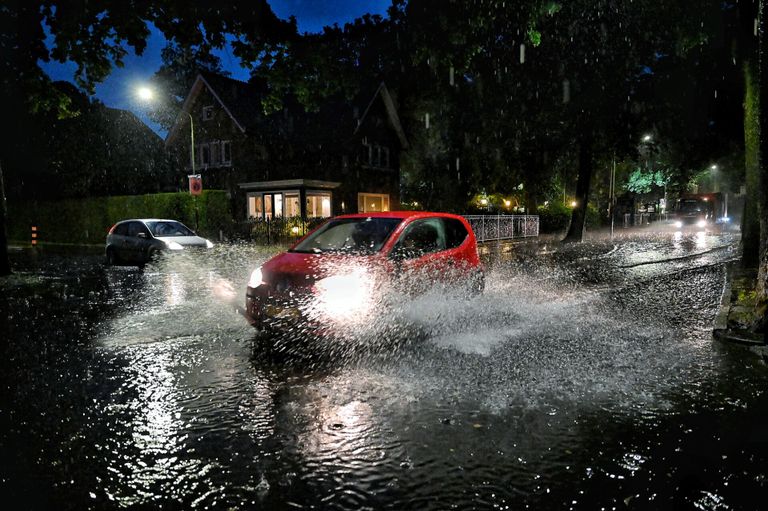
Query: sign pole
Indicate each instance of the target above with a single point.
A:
(195, 189)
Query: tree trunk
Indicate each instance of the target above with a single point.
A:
(750, 222)
(579, 215)
(761, 303)
(5, 264)
(531, 181)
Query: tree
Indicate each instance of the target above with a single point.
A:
(5, 264)
(174, 79)
(96, 36)
(761, 302)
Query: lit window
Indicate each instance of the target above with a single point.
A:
(318, 204)
(372, 202)
(255, 206)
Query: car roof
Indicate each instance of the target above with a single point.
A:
(148, 220)
(401, 215)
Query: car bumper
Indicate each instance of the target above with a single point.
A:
(265, 310)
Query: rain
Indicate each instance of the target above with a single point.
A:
(385, 255)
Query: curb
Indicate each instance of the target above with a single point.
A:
(723, 332)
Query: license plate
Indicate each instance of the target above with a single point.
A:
(275, 311)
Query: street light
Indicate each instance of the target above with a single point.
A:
(147, 95)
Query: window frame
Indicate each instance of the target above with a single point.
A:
(208, 114)
(385, 203)
(396, 253)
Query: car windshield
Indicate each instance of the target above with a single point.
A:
(349, 235)
(694, 206)
(165, 229)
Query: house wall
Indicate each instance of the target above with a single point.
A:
(364, 175)
(276, 156)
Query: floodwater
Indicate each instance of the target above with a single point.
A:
(585, 377)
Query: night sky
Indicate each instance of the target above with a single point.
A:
(311, 15)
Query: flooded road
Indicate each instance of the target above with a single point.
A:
(585, 377)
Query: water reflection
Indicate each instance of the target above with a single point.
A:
(174, 289)
(576, 377)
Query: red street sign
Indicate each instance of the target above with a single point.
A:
(195, 184)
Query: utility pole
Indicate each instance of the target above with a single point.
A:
(5, 264)
(612, 193)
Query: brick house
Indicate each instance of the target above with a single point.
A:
(344, 158)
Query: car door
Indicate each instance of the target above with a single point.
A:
(120, 241)
(139, 240)
(421, 249)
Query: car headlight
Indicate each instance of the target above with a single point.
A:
(344, 296)
(173, 245)
(256, 278)
(679, 224)
(208, 244)
(701, 224)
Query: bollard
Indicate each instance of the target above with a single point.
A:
(34, 235)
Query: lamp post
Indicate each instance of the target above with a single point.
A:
(713, 172)
(147, 95)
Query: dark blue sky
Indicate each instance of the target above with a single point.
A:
(311, 15)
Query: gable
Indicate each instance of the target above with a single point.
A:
(200, 85)
(382, 94)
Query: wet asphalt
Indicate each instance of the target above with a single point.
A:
(585, 377)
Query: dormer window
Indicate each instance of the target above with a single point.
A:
(208, 113)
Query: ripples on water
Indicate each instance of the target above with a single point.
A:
(558, 385)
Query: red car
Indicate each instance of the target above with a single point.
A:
(341, 271)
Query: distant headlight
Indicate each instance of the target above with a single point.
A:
(344, 296)
(679, 224)
(256, 278)
(173, 245)
(701, 224)
(726, 219)
(208, 244)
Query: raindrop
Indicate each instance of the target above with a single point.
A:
(450, 76)
(715, 94)
(457, 163)
(426, 120)
(522, 53)
(566, 91)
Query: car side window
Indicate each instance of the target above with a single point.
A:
(420, 238)
(122, 229)
(134, 228)
(455, 232)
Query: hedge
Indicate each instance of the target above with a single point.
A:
(88, 220)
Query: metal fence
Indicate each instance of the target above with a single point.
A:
(503, 227)
(276, 230)
(290, 229)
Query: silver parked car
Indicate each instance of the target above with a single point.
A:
(138, 241)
